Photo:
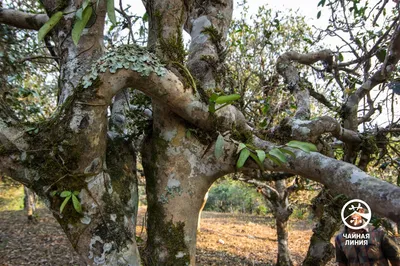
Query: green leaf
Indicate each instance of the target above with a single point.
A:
(227, 98)
(319, 14)
(260, 155)
(111, 11)
(80, 24)
(244, 154)
(255, 158)
(65, 194)
(79, 13)
(321, 3)
(77, 204)
(288, 152)
(188, 133)
(85, 4)
(219, 146)
(49, 25)
(76, 192)
(145, 17)
(273, 159)
(340, 57)
(213, 97)
(53, 193)
(64, 203)
(211, 107)
(304, 146)
(381, 55)
(240, 147)
(278, 154)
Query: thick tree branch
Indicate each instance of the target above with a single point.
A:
(310, 130)
(380, 76)
(22, 20)
(208, 27)
(342, 178)
(320, 98)
(339, 176)
(289, 72)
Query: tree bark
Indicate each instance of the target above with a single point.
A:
(177, 179)
(278, 199)
(327, 209)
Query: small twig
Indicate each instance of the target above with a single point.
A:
(30, 58)
(91, 104)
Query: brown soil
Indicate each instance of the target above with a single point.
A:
(224, 239)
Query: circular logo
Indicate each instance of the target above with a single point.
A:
(356, 214)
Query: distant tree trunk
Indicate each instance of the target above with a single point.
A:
(282, 212)
(201, 210)
(278, 198)
(327, 208)
(29, 203)
(283, 249)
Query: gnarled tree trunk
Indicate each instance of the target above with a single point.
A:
(327, 209)
(177, 178)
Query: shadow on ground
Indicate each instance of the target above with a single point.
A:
(41, 243)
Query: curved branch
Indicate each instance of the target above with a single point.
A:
(286, 69)
(320, 98)
(22, 20)
(382, 74)
(340, 176)
(310, 130)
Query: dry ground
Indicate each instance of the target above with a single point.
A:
(224, 239)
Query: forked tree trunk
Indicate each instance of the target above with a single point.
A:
(283, 249)
(278, 199)
(327, 209)
(177, 179)
(282, 212)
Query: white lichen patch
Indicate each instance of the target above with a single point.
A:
(299, 127)
(113, 217)
(94, 166)
(131, 57)
(80, 118)
(129, 256)
(95, 181)
(172, 150)
(169, 135)
(357, 176)
(187, 239)
(86, 220)
(198, 25)
(126, 221)
(180, 254)
(303, 131)
(172, 183)
(99, 255)
(194, 107)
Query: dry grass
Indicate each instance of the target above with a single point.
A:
(247, 239)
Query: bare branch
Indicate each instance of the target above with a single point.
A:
(22, 20)
(289, 72)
